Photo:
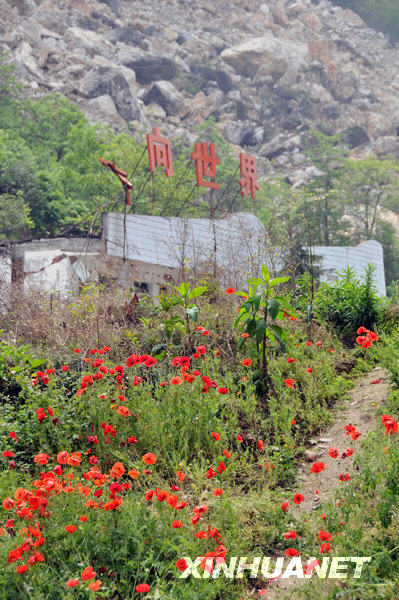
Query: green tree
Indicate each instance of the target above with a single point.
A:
(328, 155)
(369, 186)
(15, 220)
(380, 14)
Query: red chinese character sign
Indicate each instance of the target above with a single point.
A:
(121, 175)
(249, 175)
(205, 164)
(159, 152)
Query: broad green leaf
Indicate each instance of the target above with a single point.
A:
(274, 307)
(36, 362)
(260, 329)
(257, 299)
(279, 335)
(256, 281)
(197, 291)
(238, 294)
(265, 273)
(278, 281)
(183, 289)
(251, 326)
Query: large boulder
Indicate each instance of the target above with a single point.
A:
(204, 74)
(166, 95)
(378, 125)
(86, 40)
(113, 4)
(101, 108)
(26, 61)
(345, 86)
(152, 68)
(263, 51)
(131, 35)
(102, 81)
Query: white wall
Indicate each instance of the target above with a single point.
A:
(337, 258)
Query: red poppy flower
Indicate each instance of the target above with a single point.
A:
(325, 548)
(239, 438)
(22, 568)
(215, 436)
(285, 506)
(317, 467)
(260, 445)
(223, 390)
(226, 453)
(150, 361)
(181, 564)
(289, 383)
(344, 476)
(247, 362)
(310, 370)
(230, 290)
(221, 468)
(8, 453)
(142, 588)
(217, 492)
(290, 535)
(149, 458)
(324, 536)
(333, 452)
(290, 360)
(177, 524)
(88, 574)
(72, 583)
(95, 585)
(201, 349)
(70, 528)
(77, 350)
(298, 498)
(291, 552)
(41, 458)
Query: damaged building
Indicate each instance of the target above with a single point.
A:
(144, 253)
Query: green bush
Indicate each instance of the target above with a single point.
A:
(350, 303)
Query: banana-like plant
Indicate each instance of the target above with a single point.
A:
(261, 308)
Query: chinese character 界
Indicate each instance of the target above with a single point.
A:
(248, 175)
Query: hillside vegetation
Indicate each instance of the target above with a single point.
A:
(380, 14)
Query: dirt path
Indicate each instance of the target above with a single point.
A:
(360, 411)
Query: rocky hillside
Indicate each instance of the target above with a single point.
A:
(266, 71)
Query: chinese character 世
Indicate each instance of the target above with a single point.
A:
(248, 175)
(159, 152)
(205, 164)
(121, 175)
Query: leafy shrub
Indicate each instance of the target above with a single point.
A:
(349, 303)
